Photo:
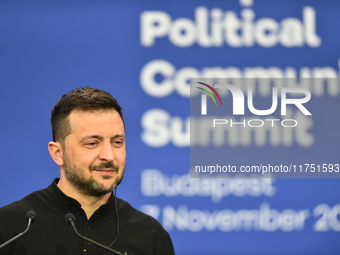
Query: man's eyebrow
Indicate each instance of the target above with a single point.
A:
(118, 136)
(100, 137)
(91, 137)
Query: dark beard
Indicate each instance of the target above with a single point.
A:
(90, 187)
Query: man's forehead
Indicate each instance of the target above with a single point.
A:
(83, 119)
(79, 112)
(78, 115)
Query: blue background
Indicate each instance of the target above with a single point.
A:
(47, 48)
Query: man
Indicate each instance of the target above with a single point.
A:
(89, 146)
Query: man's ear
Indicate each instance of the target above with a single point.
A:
(56, 151)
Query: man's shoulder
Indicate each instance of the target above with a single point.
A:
(132, 212)
(140, 226)
(136, 217)
(23, 205)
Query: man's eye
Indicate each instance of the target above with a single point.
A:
(91, 144)
(118, 143)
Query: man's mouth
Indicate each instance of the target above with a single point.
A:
(106, 170)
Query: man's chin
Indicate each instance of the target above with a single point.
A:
(94, 188)
(109, 184)
(99, 190)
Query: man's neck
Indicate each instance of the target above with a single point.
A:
(88, 203)
(91, 204)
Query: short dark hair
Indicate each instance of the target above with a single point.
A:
(80, 99)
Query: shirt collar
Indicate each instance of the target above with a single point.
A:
(54, 191)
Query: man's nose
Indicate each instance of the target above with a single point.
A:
(106, 152)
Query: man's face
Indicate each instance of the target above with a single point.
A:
(94, 153)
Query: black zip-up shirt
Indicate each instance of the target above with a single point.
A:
(139, 234)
